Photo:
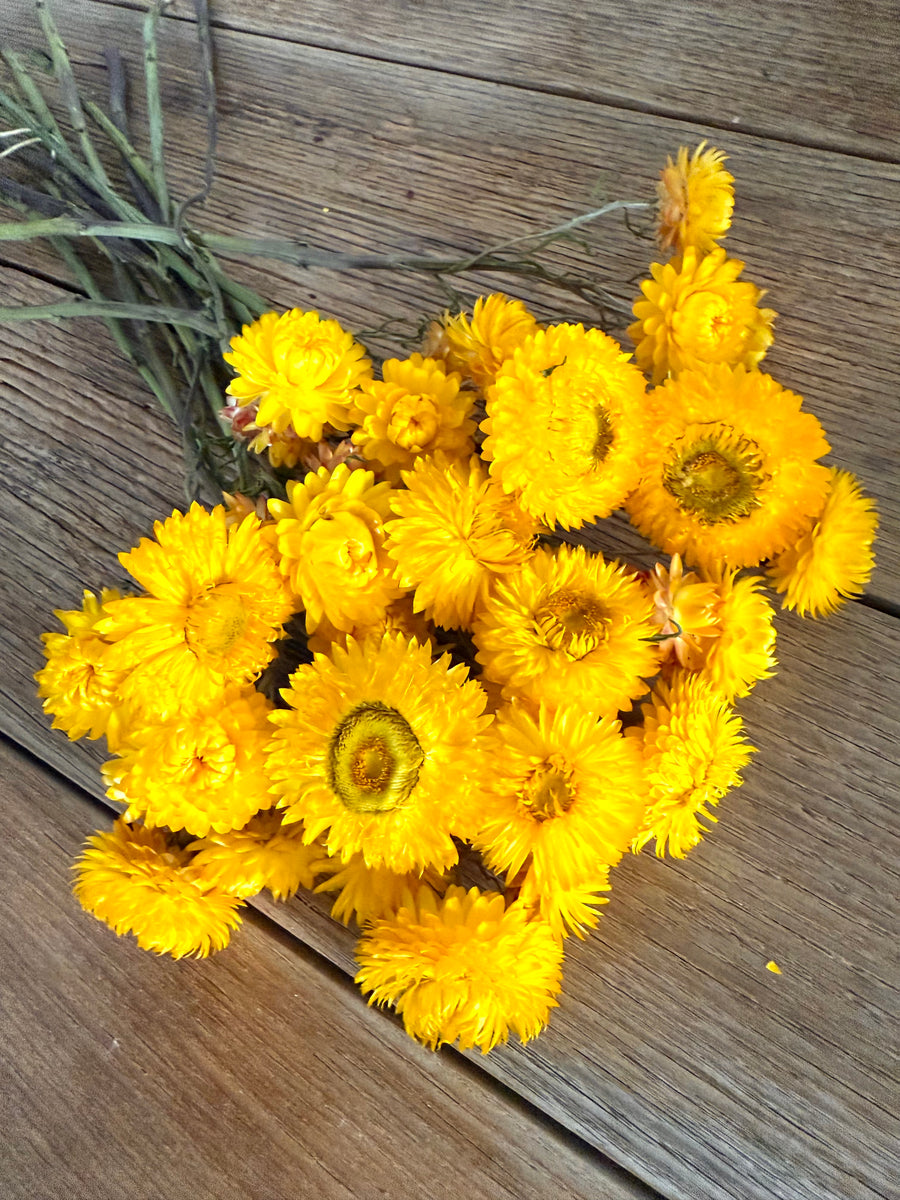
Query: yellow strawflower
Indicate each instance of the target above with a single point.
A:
(464, 969)
(302, 370)
(477, 347)
(565, 425)
(730, 474)
(696, 312)
(417, 409)
(264, 854)
(569, 628)
(366, 894)
(455, 534)
(331, 538)
(399, 617)
(567, 908)
(216, 602)
(79, 688)
(378, 751)
(561, 794)
(693, 750)
(138, 881)
(744, 651)
(685, 613)
(198, 772)
(696, 200)
(834, 559)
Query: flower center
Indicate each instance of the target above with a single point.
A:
(715, 474)
(709, 325)
(572, 622)
(414, 422)
(374, 759)
(216, 621)
(603, 438)
(547, 793)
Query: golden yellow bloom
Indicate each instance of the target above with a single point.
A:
(569, 628)
(377, 752)
(417, 409)
(685, 612)
(696, 312)
(465, 969)
(138, 881)
(744, 651)
(693, 750)
(398, 617)
(216, 603)
(456, 533)
(367, 894)
(331, 540)
(560, 793)
(565, 425)
(730, 474)
(477, 348)
(834, 559)
(572, 908)
(202, 771)
(264, 854)
(302, 369)
(79, 689)
(696, 200)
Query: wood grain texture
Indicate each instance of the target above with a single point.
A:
(804, 72)
(674, 1051)
(256, 1074)
(351, 153)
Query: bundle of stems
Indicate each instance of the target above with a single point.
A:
(150, 273)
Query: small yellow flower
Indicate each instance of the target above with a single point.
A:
(398, 618)
(569, 908)
(200, 772)
(476, 348)
(79, 689)
(264, 854)
(216, 603)
(378, 752)
(685, 612)
(138, 881)
(834, 559)
(744, 651)
(696, 200)
(417, 409)
(463, 969)
(730, 474)
(302, 369)
(331, 539)
(695, 312)
(693, 750)
(366, 894)
(565, 425)
(569, 628)
(456, 534)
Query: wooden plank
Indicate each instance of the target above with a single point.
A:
(368, 155)
(256, 1073)
(675, 1051)
(796, 73)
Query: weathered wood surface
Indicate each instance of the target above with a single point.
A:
(352, 153)
(251, 1075)
(674, 1051)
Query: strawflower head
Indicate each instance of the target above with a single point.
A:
(565, 425)
(264, 854)
(561, 794)
(696, 312)
(302, 370)
(398, 618)
(569, 628)
(730, 475)
(331, 537)
(477, 347)
(685, 613)
(464, 969)
(456, 533)
(366, 894)
(833, 560)
(416, 409)
(79, 688)
(693, 750)
(138, 881)
(744, 650)
(696, 200)
(377, 753)
(200, 771)
(215, 603)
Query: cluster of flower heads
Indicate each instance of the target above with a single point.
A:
(473, 698)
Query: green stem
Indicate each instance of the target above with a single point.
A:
(154, 106)
(113, 309)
